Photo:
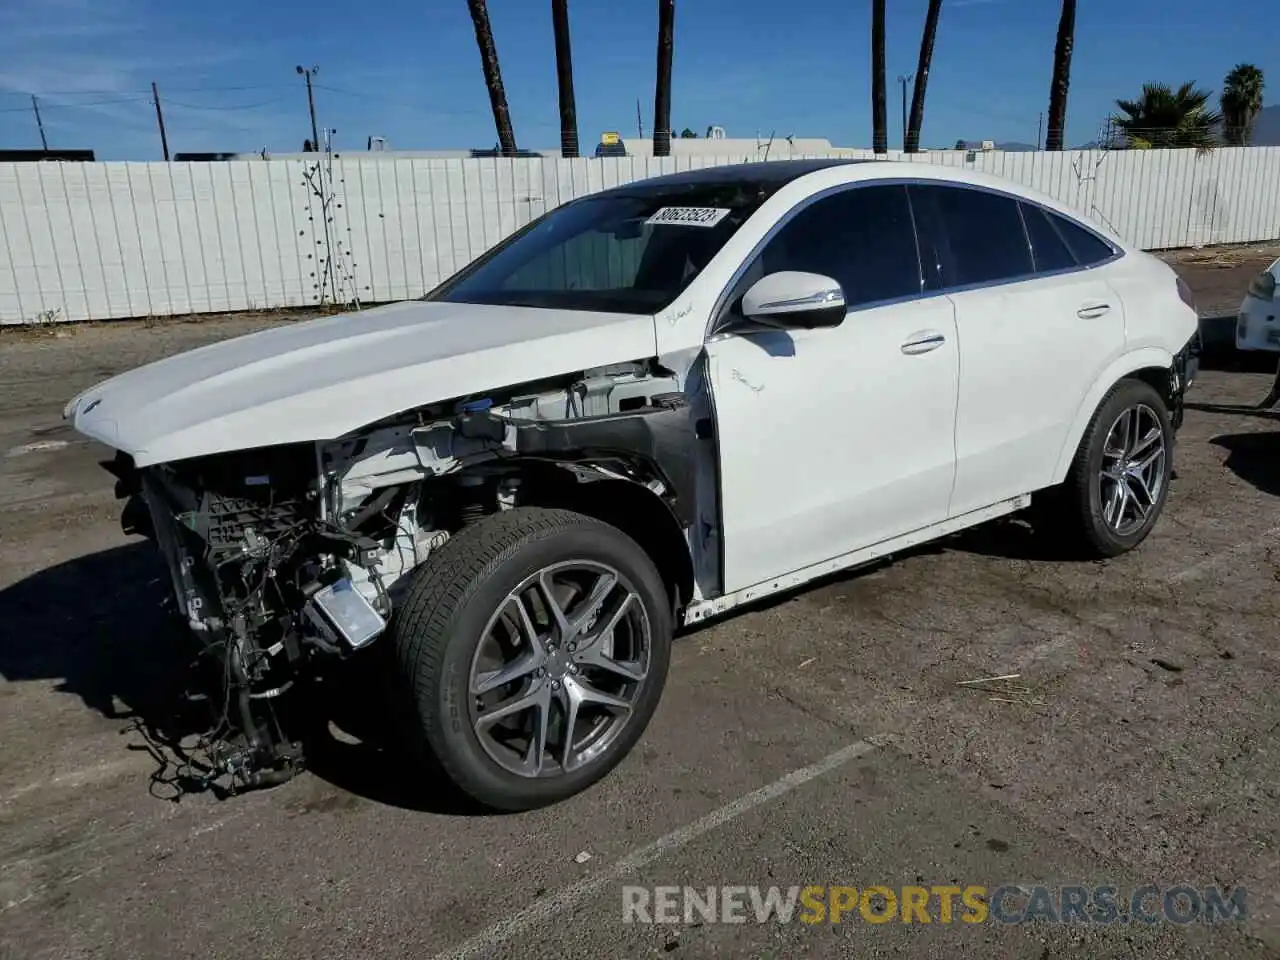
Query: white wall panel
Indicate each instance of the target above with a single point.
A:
(98, 241)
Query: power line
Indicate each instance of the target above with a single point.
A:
(46, 106)
(429, 111)
(87, 92)
(240, 106)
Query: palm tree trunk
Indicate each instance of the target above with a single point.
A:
(1061, 76)
(922, 76)
(662, 90)
(879, 111)
(493, 77)
(564, 79)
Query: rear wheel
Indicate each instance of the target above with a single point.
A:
(535, 644)
(1119, 480)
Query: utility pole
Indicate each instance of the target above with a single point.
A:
(662, 86)
(164, 139)
(311, 104)
(35, 105)
(1039, 128)
(903, 80)
(639, 121)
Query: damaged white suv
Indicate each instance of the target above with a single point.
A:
(643, 409)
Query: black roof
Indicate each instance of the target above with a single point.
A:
(767, 174)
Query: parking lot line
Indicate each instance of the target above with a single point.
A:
(560, 903)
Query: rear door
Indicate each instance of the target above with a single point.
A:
(1035, 330)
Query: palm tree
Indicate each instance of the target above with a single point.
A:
(1061, 75)
(662, 90)
(912, 144)
(1241, 101)
(564, 79)
(879, 112)
(1164, 117)
(493, 77)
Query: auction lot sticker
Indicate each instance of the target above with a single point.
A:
(690, 216)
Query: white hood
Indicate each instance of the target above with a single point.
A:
(324, 378)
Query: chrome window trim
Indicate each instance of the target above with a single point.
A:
(716, 317)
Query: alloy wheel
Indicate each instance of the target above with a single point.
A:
(1132, 477)
(559, 668)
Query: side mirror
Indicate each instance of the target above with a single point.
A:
(790, 298)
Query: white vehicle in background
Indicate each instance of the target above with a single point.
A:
(642, 410)
(1258, 324)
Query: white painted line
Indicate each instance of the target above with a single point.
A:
(559, 904)
(41, 446)
(1225, 556)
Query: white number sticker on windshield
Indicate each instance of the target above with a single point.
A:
(689, 216)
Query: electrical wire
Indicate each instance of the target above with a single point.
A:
(197, 106)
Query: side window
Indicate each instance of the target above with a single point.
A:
(1088, 248)
(984, 234)
(1048, 248)
(862, 237)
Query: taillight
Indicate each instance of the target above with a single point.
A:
(1263, 286)
(1184, 292)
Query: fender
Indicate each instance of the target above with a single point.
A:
(660, 436)
(1122, 366)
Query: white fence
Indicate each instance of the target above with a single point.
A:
(95, 241)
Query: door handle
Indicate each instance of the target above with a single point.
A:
(1093, 310)
(923, 343)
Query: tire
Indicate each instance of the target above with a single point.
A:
(458, 612)
(1081, 508)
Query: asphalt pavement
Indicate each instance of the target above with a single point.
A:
(825, 739)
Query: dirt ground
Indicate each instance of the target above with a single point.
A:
(824, 738)
(1219, 276)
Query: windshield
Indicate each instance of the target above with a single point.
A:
(624, 252)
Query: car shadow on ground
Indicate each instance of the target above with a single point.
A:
(1226, 358)
(104, 629)
(1236, 410)
(98, 625)
(1254, 458)
(359, 742)
(1016, 537)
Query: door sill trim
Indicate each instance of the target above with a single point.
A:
(704, 610)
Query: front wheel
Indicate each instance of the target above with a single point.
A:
(535, 644)
(1119, 480)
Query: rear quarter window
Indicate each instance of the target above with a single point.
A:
(1048, 248)
(1086, 246)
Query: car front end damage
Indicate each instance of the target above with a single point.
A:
(287, 561)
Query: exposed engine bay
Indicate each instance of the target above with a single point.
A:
(285, 560)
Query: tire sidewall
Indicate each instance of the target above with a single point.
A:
(454, 740)
(1127, 395)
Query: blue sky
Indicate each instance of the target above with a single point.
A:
(409, 71)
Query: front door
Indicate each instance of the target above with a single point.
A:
(835, 439)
